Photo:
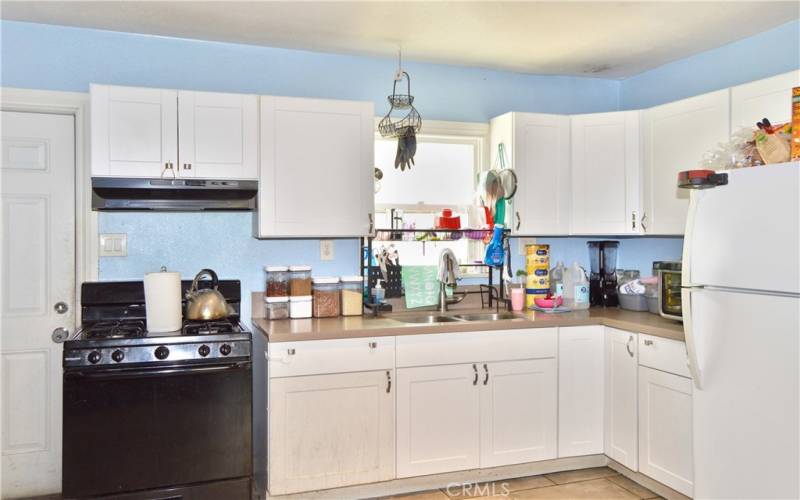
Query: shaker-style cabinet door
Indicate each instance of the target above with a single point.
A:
(606, 173)
(621, 411)
(134, 131)
(438, 419)
(518, 411)
(317, 168)
(769, 98)
(218, 135)
(331, 430)
(580, 391)
(675, 137)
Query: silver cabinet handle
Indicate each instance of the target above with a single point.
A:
(475, 368)
(633, 221)
(61, 307)
(290, 352)
(168, 167)
(641, 222)
(486, 379)
(373, 345)
(187, 166)
(628, 345)
(388, 381)
(371, 223)
(60, 334)
(519, 221)
(648, 342)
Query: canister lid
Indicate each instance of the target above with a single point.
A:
(352, 279)
(325, 280)
(275, 300)
(276, 269)
(300, 298)
(299, 268)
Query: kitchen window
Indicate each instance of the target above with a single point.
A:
(449, 157)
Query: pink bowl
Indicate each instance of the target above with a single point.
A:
(548, 303)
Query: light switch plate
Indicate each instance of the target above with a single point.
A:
(113, 245)
(326, 251)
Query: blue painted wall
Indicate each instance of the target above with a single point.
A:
(765, 54)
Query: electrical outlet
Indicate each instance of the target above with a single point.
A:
(523, 242)
(326, 250)
(114, 245)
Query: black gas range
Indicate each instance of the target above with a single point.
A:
(156, 415)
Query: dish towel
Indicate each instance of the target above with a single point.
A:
(443, 267)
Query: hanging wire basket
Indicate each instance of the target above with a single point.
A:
(410, 123)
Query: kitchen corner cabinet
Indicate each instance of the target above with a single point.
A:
(769, 98)
(134, 131)
(316, 171)
(537, 148)
(675, 137)
(605, 173)
(330, 430)
(665, 428)
(621, 391)
(580, 391)
(144, 132)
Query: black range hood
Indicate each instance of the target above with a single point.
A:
(188, 195)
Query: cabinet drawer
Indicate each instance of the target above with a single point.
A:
(452, 348)
(663, 354)
(290, 359)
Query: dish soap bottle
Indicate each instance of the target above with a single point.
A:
(557, 280)
(378, 293)
(495, 255)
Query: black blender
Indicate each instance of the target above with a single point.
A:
(603, 279)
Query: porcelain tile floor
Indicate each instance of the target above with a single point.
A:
(600, 483)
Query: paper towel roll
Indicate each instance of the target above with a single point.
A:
(162, 299)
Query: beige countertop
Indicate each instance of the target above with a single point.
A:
(388, 325)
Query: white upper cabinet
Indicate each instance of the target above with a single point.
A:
(675, 137)
(316, 172)
(621, 412)
(769, 98)
(218, 135)
(580, 391)
(605, 173)
(134, 131)
(141, 132)
(537, 148)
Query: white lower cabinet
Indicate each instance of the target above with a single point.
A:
(665, 428)
(518, 412)
(621, 395)
(580, 390)
(438, 419)
(330, 430)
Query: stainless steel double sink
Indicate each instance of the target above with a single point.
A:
(433, 318)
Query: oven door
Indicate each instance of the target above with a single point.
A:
(155, 427)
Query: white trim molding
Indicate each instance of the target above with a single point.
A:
(77, 105)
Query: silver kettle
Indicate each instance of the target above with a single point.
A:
(206, 304)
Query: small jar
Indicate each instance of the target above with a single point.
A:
(276, 308)
(300, 307)
(325, 291)
(299, 281)
(352, 295)
(277, 281)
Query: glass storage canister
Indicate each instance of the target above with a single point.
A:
(325, 291)
(300, 307)
(352, 295)
(277, 281)
(276, 308)
(299, 280)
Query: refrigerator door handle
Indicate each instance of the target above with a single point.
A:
(686, 265)
(693, 359)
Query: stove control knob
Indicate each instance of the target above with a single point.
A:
(162, 352)
(225, 349)
(94, 357)
(118, 355)
(204, 350)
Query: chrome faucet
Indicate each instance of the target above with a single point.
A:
(449, 263)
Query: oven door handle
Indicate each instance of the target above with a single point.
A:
(155, 371)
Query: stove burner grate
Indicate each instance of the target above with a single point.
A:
(122, 329)
(207, 328)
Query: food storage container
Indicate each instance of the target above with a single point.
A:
(325, 291)
(299, 281)
(277, 281)
(352, 295)
(276, 308)
(300, 307)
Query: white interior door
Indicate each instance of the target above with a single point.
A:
(38, 271)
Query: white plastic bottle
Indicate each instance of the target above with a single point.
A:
(557, 280)
(568, 287)
(581, 288)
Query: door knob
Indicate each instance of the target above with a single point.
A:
(60, 334)
(61, 307)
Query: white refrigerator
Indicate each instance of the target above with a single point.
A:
(741, 307)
